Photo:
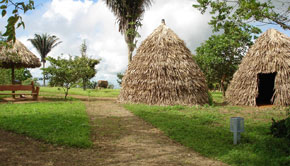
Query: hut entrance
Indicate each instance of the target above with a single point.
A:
(266, 88)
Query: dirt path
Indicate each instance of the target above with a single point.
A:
(120, 139)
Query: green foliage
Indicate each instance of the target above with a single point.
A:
(281, 128)
(44, 43)
(63, 123)
(110, 86)
(219, 56)
(86, 66)
(15, 20)
(66, 73)
(210, 99)
(206, 130)
(20, 75)
(63, 73)
(242, 12)
(129, 15)
(92, 84)
(120, 77)
(29, 80)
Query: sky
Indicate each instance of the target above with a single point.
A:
(74, 21)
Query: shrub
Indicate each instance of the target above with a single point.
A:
(210, 99)
(281, 128)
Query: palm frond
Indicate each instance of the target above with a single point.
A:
(44, 44)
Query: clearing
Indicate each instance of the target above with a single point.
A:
(119, 138)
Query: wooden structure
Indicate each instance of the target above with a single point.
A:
(34, 90)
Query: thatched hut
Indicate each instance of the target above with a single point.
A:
(17, 56)
(163, 73)
(263, 76)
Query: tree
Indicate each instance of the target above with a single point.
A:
(120, 77)
(44, 44)
(67, 73)
(243, 12)
(92, 84)
(219, 56)
(15, 20)
(129, 15)
(63, 73)
(20, 74)
(86, 66)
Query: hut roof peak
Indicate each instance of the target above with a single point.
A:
(163, 22)
(274, 35)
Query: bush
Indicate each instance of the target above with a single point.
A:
(210, 99)
(281, 128)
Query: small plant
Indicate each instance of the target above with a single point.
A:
(281, 128)
(210, 99)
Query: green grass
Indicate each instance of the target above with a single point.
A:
(81, 92)
(62, 123)
(206, 130)
(217, 97)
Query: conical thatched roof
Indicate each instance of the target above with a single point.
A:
(18, 56)
(163, 73)
(269, 54)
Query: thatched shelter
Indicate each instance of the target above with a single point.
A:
(17, 56)
(263, 76)
(163, 73)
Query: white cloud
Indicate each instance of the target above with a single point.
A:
(74, 20)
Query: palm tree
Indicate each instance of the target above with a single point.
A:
(44, 43)
(129, 13)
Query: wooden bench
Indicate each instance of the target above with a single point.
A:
(34, 90)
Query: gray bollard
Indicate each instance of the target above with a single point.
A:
(237, 126)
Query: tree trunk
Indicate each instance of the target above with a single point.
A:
(84, 84)
(43, 74)
(130, 44)
(129, 56)
(66, 93)
(223, 86)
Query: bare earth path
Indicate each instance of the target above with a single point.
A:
(120, 139)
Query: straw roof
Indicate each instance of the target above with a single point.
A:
(18, 56)
(269, 54)
(163, 72)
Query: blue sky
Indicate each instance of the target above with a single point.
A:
(74, 21)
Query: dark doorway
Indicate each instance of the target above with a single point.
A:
(266, 88)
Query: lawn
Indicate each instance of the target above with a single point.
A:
(206, 130)
(62, 123)
(79, 91)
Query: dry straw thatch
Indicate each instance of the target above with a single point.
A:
(163, 73)
(269, 54)
(17, 56)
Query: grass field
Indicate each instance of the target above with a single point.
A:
(63, 123)
(80, 91)
(202, 128)
(206, 130)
